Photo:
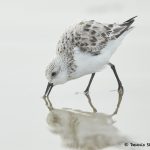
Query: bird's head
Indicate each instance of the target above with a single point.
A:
(56, 73)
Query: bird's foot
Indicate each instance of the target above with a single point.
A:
(81, 93)
(120, 92)
(86, 92)
(94, 110)
(114, 113)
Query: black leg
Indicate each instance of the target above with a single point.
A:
(120, 88)
(89, 84)
(87, 92)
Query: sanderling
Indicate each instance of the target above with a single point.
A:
(86, 48)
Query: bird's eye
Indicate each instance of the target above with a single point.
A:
(53, 74)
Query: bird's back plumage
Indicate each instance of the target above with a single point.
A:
(91, 36)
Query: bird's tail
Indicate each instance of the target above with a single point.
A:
(126, 25)
(128, 22)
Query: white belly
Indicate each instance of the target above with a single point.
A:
(87, 63)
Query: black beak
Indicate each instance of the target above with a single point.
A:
(48, 89)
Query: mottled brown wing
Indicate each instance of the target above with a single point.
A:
(91, 36)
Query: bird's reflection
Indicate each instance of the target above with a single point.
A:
(85, 130)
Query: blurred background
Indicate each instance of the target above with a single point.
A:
(29, 31)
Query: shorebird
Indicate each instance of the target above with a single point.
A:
(86, 48)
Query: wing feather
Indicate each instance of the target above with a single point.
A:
(90, 36)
